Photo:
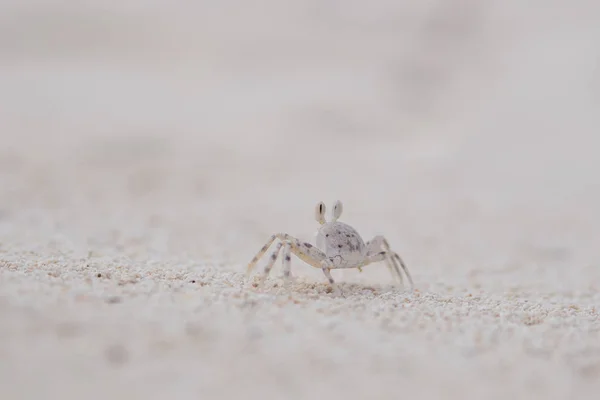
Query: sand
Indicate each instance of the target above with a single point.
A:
(149, 150)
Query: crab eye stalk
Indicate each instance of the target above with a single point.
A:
(320, 212)
(337, 210)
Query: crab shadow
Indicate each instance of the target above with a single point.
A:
(346, 289)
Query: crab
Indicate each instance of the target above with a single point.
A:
(338, 246)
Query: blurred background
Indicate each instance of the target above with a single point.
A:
(149, 148)
(466, 131)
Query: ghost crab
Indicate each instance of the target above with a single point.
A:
(338, 246)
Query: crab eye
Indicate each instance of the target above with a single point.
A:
(320, 212)
(337, 210)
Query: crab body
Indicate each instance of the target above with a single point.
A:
(341, 244)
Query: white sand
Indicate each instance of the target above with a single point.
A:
(148, 151)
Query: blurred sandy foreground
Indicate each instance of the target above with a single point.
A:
(149, 148)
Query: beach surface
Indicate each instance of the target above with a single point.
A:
(149, 149)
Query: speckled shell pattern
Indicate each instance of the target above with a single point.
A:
(341, 243)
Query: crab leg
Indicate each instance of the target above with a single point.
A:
(303, 250)
(392, 260)
(263, 250)
(271, 262)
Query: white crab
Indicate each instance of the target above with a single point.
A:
(338, 245)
